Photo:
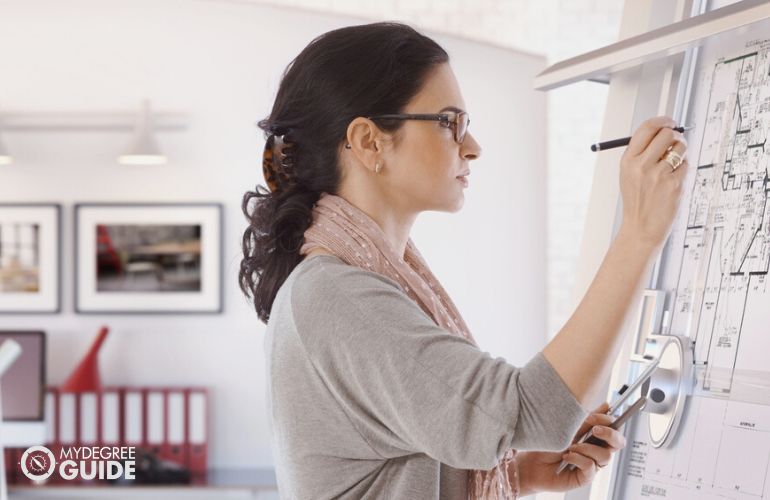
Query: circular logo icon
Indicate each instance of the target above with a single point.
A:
(37, 463)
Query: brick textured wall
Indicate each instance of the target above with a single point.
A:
(557, 29)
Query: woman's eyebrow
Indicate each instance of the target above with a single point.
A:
(451, 108)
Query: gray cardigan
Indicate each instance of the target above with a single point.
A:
(369, 399)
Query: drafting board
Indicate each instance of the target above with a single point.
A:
(712, 70)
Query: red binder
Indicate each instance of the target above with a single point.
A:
(150, 442)
(175, 448)
(12, 468)
(197, 429)
(178, 433)
(53, 422)
(110, 416)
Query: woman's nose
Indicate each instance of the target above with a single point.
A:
(470, 149)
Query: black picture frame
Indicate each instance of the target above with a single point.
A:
(214, 242)
(52, 303)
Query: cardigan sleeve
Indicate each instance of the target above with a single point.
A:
(410, 386)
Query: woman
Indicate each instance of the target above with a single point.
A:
(376, 387)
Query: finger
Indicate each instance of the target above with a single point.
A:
(613, 438)
(664, 139)
(667, 171)
(603, 419)
(586, 465)
(681, 150)
(681, 172)
(589, 422)
(645, 133)
(680, 146)
(598, 454)
(599, 417)
(678, 178)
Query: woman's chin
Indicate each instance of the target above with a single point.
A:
(458, 204)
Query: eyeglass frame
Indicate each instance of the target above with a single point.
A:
(442, 118)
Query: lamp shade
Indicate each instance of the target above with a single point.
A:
(5, 156)
(85, 377)
(143, 149)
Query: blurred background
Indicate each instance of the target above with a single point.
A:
(96, 232)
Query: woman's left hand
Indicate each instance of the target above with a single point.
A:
(537, 469)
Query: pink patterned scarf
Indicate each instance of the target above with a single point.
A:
(346, 231)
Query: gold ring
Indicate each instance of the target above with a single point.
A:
(672, 158)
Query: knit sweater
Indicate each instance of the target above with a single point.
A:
(368, 398)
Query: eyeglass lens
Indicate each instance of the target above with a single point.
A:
(461, 127)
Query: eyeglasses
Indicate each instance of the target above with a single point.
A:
(457, 121)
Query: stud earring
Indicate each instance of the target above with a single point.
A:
(377, 167)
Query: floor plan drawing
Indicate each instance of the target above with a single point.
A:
(727, 243)
(716, 276)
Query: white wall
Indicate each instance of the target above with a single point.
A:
(220, 62)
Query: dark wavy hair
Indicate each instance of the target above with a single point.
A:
(342, 74)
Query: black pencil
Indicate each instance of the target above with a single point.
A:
(616, 143)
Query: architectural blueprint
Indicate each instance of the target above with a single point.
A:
(715, 272)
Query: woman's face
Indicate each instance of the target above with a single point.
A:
(422, 165)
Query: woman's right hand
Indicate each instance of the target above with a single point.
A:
(651, 191)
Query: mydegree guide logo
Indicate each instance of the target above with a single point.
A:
(38, 463)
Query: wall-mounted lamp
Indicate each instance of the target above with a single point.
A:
(5, 155)
(142, 150)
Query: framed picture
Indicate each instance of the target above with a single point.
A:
(30, 255)
(148, 258)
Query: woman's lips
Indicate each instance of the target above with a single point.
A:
(463, 179)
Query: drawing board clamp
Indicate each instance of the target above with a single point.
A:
(668, 387)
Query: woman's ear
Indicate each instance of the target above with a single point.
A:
(366, 141)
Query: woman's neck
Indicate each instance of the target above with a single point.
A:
(394, 223)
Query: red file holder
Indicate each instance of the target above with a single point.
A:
(170, 422)
(196, 429)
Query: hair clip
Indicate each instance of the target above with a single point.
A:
(277, 163)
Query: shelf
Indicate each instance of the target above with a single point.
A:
(599, 64)
(217, 483)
